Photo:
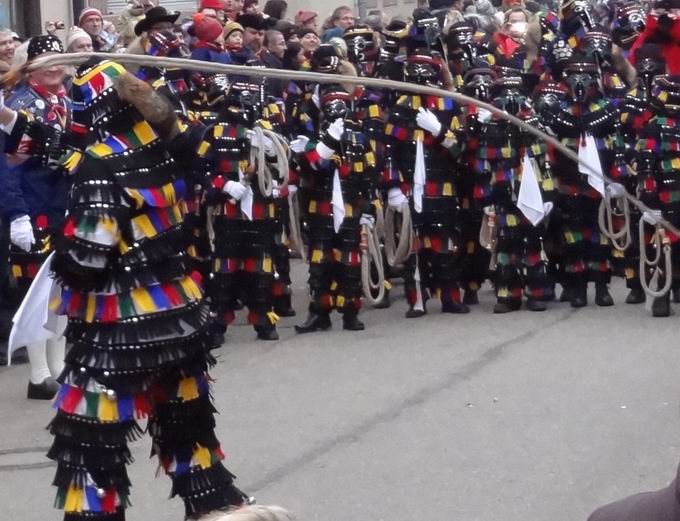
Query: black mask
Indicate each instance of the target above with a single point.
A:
(479, 86)
(647, 69)
(335, 109)
(582, 85)
(510, 100)
(627, 25)
(422, 74)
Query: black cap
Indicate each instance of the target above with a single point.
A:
(253, 21)
(153, 16)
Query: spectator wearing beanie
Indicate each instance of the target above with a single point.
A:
(213, 9)
(92, 22)
(307, 19)
(233, 36)
(78, 41)
(309, 41)
(276, 9)
(210, 40)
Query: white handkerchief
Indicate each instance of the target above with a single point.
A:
(34, 321)
(246, 200)
(337, 202)
(588, 154)
(530, 200)
(419, 177)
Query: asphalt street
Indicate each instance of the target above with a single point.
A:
(527, 416)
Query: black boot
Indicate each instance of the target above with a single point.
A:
(46, 390)
(661, 306)
(636, 296)
(579, 296)
(384, 302)
(267, 333)
(506, 307)
(602, 296)
(536, 305)
(415, 313)
(283, 307)
(351, 322)
(314, 322)
(470, 298)
(455, 307)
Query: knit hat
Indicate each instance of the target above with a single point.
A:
(230, 27)
(304, 31)
(39, 45)
(76, 33)
(89, 12)
(217, 5)
(302, 17)
(206, 28)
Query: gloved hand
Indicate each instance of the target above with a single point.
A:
(21, 233)
(298, 145)
(235, 190)
(367, 220)
(483, 115)
(292, 189)
(616, 190)
(428, 121)
(652, 217)
(396, 198)
(336, 129)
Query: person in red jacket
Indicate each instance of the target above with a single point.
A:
(663, 28)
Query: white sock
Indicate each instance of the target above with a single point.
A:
(56, 349)
(37, 361)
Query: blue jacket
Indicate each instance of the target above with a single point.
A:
(31, 188)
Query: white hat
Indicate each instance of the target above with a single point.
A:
(76, 33)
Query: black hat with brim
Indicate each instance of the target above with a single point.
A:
(153, 16)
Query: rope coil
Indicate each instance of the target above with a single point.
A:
(371, 258)
(398, 253)
(662, 247)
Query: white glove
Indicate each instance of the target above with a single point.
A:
(428, 121)
(616, 190)
(21, 233)
(396, 198)
(483, 115)
(490, 210)
(298, 145)
(235, 190)
(367, 220)
(336, 129)
(292, 189)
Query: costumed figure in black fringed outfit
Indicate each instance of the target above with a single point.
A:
(338, 173)
(241, 213)
(637, 109)
(35, 191)
(476, 259)
(508, 166)
(464, 52)
(422, 130)
(370, 106)
(658, 165)
(136, 315)
(598, 44)
(547, 97)
(588, 123)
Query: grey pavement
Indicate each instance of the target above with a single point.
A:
(527, 416)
